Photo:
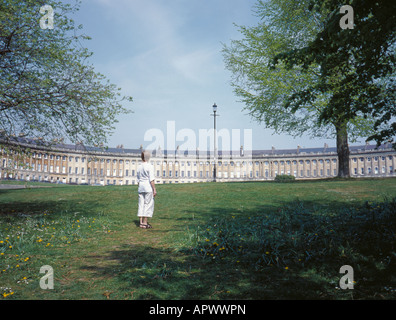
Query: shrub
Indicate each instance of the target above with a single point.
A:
(285, 178)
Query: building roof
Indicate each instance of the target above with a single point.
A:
(60, 146)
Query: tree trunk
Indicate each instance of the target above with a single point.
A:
(342, 149)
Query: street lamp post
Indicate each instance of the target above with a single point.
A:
(215, 140)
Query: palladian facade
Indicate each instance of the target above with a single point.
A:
(76, 164)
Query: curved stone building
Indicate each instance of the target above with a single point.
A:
(77, 164)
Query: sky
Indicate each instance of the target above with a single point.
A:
(166, 54)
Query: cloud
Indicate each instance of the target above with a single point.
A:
(197, 66)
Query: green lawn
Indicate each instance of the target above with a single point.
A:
(209, 241)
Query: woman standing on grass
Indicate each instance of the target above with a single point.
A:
(146, 190)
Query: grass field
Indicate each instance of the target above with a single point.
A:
(209, 241)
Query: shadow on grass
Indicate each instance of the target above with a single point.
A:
(153, 272)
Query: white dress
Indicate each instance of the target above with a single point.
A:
(145, 174)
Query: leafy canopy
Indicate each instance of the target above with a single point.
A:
(47, 86)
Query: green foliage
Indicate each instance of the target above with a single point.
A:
(357, 66)
(285, 178)
(265, 90)
(47, 86)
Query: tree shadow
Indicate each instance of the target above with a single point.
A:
(166, 273)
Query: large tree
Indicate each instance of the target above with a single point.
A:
(266, 88)
(48, 88)
(357, 63)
